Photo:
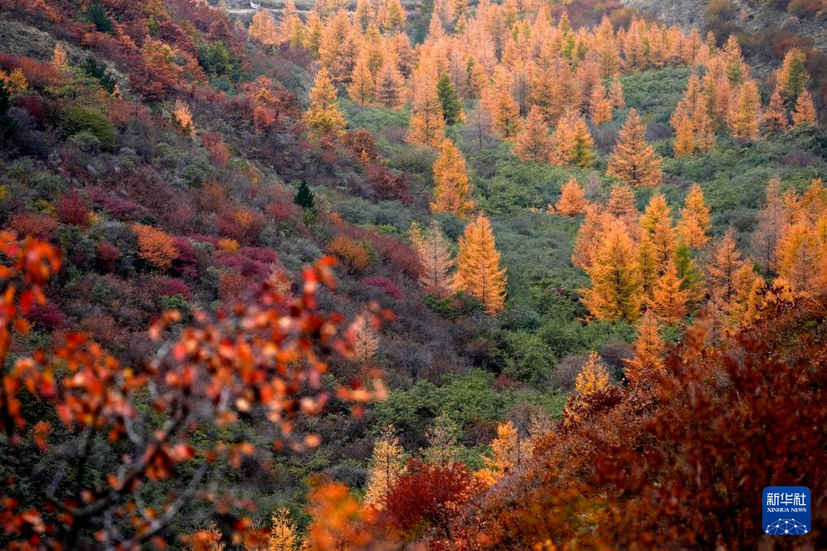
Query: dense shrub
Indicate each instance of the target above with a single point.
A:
(74, 120)
(155, 247)
(384, 284)
(355, 255)
(72, 208)
(34, 224)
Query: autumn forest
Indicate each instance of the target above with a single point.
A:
(433, 275)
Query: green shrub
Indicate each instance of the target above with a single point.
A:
(79, 119)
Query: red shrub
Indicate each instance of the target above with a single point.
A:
(170, 286)
(219, 153)
(395, 253)
(118, 207)
(108, 255)
(284, 211)
(186, 263)
(72, 209)
(387, 184)
(429, 495)
(232, 287)
(46, 315)
(383, 284)
(33, 224)
(34, 106)
(242, 225)
(38, 74)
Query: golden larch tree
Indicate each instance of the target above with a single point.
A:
(478, 266)
(452, 190)
(434, 255)
(365, 341)
(509, 452)
(616, 292)
(389, 90)
(800, 255)
(774, 118)
(323, 116)
(724, 260)
(533, 143)
(361, 89)
(770, 225)
(427, 122)
(387, 464)
(589, 237)
(656, 222)
(291, 29)
(505, 112)
(593, 377)
(600, 105)
(668, 298)
(805, 110)
(634, 161)
(694, 225)
(572, 199)
(649, 348)
(792, 77)
(338, 48)
(60, 60)
(443, 448)
(616, 96)
(283, 536)
(263, 29)
(685, 143)
(744, 115)
(572, 142)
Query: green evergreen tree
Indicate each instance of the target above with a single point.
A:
(305, 197)
(95, 13)
(7, 124)
(451, 104)
(99, 72)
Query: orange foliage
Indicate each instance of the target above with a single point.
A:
(353, 253)
(634, 161)
(155, 247)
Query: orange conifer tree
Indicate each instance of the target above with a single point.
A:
(589, 238)
(805, 110)
(616, 292)
(668, 299)
(695, 222)
(774, 118)
(616, 96)
(600, 105)
(501, 104)
(434, 256)
(634, 161)
(572, 199)
(361, 89)
(389, 89)
(478, 266)
(724, 261)
(533, 143)
(263, 28)
(452, 190)
(427, 122)
(572, 142)
(743, 120)
(649, 348)
(657, 223)
(323, 115)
